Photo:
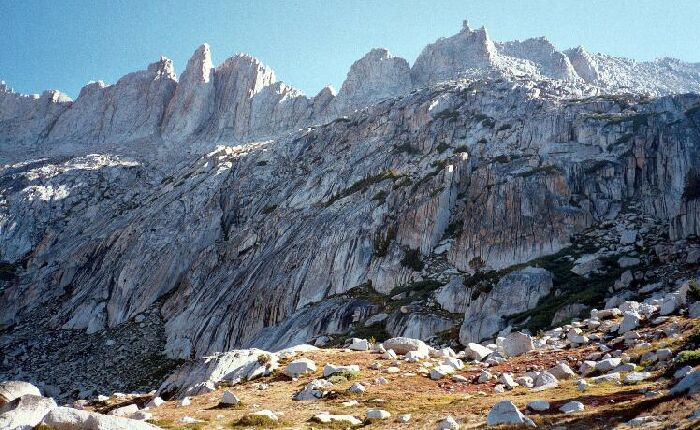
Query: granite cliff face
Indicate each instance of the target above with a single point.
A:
(244, 213)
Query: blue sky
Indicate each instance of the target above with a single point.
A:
(64, 44)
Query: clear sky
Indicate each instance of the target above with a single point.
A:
(309, 43)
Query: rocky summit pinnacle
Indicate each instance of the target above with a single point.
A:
(490, 191)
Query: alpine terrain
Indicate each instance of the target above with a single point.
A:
(501, 233)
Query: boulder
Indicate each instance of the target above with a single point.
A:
(545, 380)
(63, 418)
(571, 407)
(326, 418)
(359, 344)
(538, 405)
(484, 376)
(196, 376)
(403, 418)
(10, 390)
(111, 422)
(267, 416)
(357, 388)
(447, 423)
(625, 262)
(314, 390)
(476, 351)
(690, 384)
(331, 369)
(634, 377)
(608, 364)
(517, 343)
(402, 345)
(124, 411)
(155, 402)
(505, 412)
(25, 411)
(670, 304)
(608, 377)
(630, 321)
(586, 264)
(562, 371)
(441, 371)
(377, 414)
(299, 367)
(506, 379)
(228, 398)
(455, 363)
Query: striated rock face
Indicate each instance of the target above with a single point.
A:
(193, 101)
(278, 228)
(131, 109)
(376, 76)
(310, 228)
(25, 120)
(514, 293)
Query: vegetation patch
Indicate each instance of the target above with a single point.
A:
(342, 377)
(406, 148)
(382, 242)
(688, 358)
(412, 259)
(589, 291)
(442, 147)
(8, 271)
(454, 229)
(269, 209)
(258, 421)
(380, 197)
(362, 184)
(544, 170)
(448, 114)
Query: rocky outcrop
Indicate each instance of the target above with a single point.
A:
(451, 57)
(514, 293)
(129, 110)
(26, 120)
(376, 76)
(193, 101)
(544, 56)
(201, 376)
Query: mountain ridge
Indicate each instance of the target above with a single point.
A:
(262, 106)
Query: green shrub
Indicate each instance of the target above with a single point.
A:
(380, 197)
(442, 147)
(406, 148)
(477, 263)
(259, 421)
(688, 358)
(382, 242)
(363, 184)
(344, 376)
(412, 259)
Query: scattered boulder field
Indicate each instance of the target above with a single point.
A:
(597, 372)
